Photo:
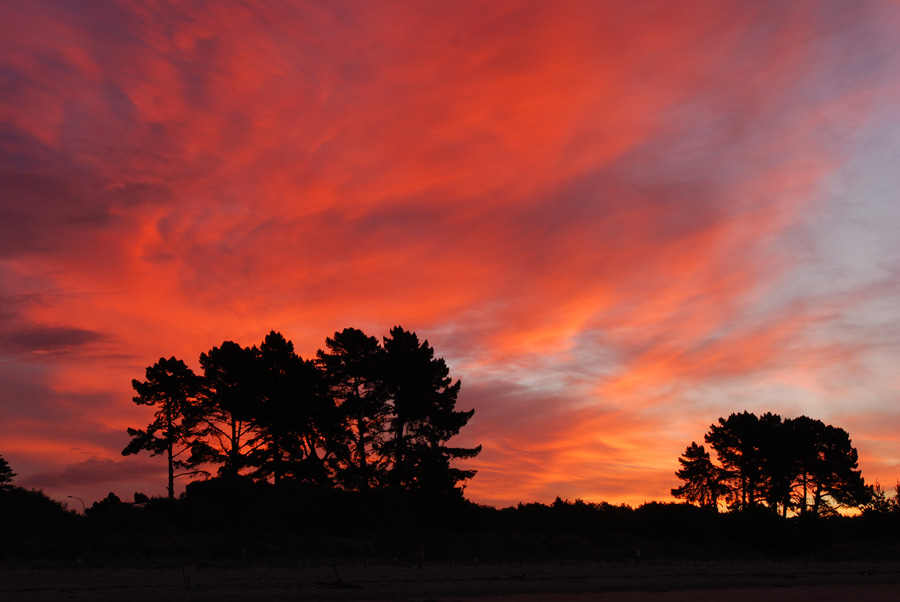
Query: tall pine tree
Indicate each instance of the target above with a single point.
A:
(171, 387)
(424, 417)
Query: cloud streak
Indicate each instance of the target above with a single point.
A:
(616, 222)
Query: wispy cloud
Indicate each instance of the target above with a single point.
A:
(617, 222)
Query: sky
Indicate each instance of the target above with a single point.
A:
(616, 221)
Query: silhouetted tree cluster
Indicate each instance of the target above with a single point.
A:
(797, 464)
(108, 504)
(361, 415)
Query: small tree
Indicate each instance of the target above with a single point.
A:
(879, 502)
(702, 479)
(172, 387)
(6, 474)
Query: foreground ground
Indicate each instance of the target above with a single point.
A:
(733, 581)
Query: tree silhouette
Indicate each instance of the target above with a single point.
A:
(879, 502)
(290, 414)
(826, 469)
(277, 415)
(110, 503)
(799, 464)
(229, 398)
(740, 442)
(702, 479)
(780, 451)
(358, 416)
(424, 418)
(6, 474)
(172, 387)
(353, 367)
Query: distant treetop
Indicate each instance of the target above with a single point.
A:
(798, 465)
(6, 474)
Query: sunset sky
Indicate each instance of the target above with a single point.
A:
(617, 221)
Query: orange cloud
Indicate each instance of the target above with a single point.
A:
(613, 221)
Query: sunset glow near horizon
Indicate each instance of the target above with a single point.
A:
(616, 221)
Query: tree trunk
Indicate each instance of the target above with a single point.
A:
(171, 456)
(361, 453)
(171, 485)
(805, 493)
(277, 468)
(817, 500)
(235, 448)
(398, 452)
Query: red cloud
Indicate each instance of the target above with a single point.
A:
(605, 217)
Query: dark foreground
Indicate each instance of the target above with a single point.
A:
(240, 540)
(734, 581)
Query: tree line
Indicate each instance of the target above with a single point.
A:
(362, 414)
(799, 465)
